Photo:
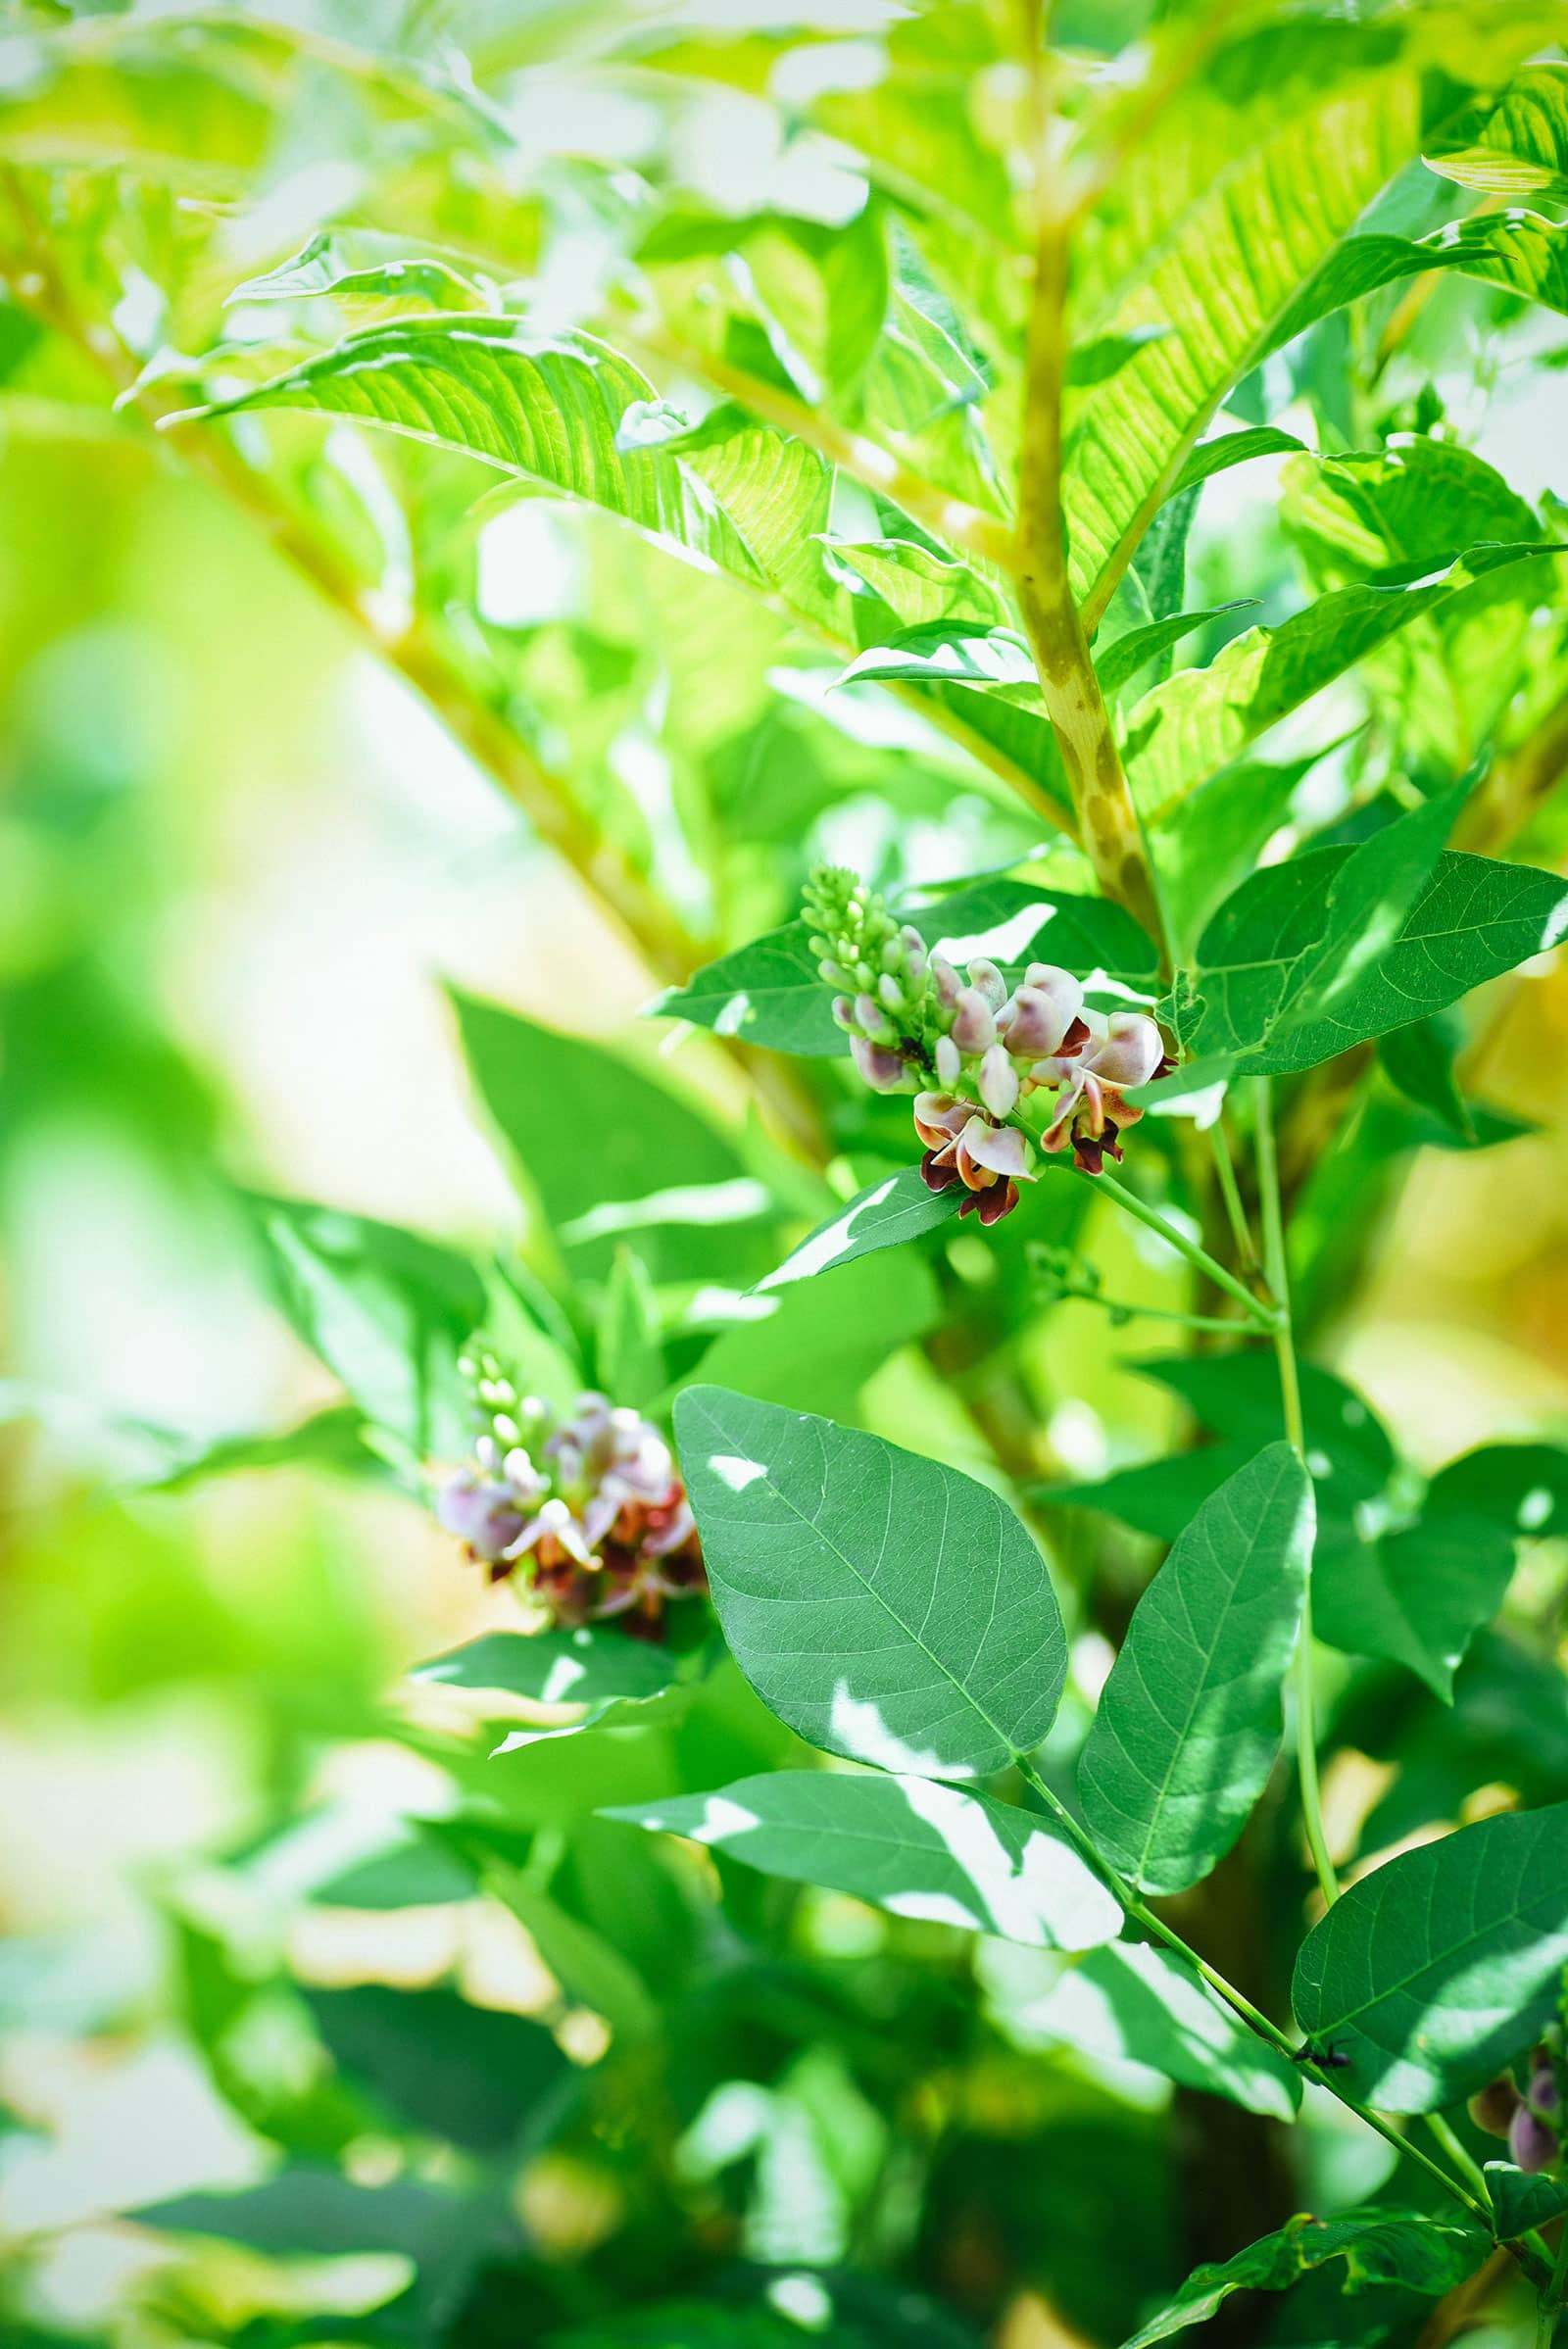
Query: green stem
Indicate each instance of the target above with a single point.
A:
(1211, 1323)
(1240, 1232)
(1463, 2161)
(1252, 2015)
(1276, 1272)
(1262, 1315)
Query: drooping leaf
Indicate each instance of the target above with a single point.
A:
(1416, 1597)
(388, 1311)
(883, 1605)
(588, 1666)
(1189, 1721)
(1217, 456)
(591, 1971)
(907, 1845)
(920, 586)
(1137, 2004)
(885, 1214)
(1415, 2251)
(1435, 1971)
(1202, 719)
(949, 653)
(1419, 1060)
(769, 991)
(364, 265)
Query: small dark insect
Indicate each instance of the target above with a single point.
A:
(1322, 2059)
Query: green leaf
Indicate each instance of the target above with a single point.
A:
(1474, 920)
(1122, 659)
(1415, 505)
(1160, 1496)
(591, 1971)
(1522, 145)
(920, 586)
(388, 1312)
(1432, 1972)
(1202, 719)
(364, 263)
(471, 2074)
(1521, 1486)
(1522, 2199)
(1189, 1721)
(1416, 1597)
(1217, 456)
(588, 1128)
(1404, 2248)
(1097, 361)
(883, 1605)
(1212, 222)
(1140, 2005)
(885, 1214)
(736, 497)
(907, 1845)
(316, 2212)
(1419, 1060)
(589, 1665)
(769, 991)
(816, 1342)
(333, 1440)
(952, 654)
(630, 1358)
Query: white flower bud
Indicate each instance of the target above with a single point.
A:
(999, 1082)
(949, 1061)
(974, 1030)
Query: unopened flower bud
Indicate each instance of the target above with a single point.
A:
(882, 1071)
(872, 1019)
(999, 1082)
(988, 981)
(1531, 2145)
(949, 1061)
(974, 1030)
(948, 984)
(914, 955)
(890, 992)
(1493, 2107)
(1541, 2093)
(844, 1014)
(834, 972)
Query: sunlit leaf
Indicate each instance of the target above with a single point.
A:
(1435, 1971)
(1137, 2004)
(1122, 659)
(885, 1214)
(850, 1576)
(1522, 147)
(907, 1845)
(1189, 1721)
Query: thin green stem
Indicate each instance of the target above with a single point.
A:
(1463, 2161)
(1252, 2015)
(1265, 1317)
(1241, 1231)
(1276, 1274)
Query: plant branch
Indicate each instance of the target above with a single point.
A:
(1107, 817)
(1277, 1273)
(1264, 1316)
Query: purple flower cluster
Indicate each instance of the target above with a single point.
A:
(1533, 2120)
(589, 1513)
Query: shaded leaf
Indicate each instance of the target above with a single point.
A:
(883, 1605)
(1432, 1972)
(1416, 1597)
(1190, 1721)
(1522, 2199)
(1520, 1487)
(628, 1356)
(1415, 2251)
(471, 2074)
(907, 1845)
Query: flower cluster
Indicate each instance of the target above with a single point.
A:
(1535, 2122)
(974, 1048)
(588, 1512)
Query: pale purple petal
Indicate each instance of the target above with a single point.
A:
(882, 1071)
(974, 1028)
(999, 1082)
(1132, 1051)
(999, 1150)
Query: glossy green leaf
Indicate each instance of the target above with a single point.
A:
(1522, 147)
(1137, 2004)
(907, 1845)
(1159, 1496)
(1416, 2252)
(388, 1311)
(885, 1214)
(883, 1605)
(589, 1665)
(363, 264)
(629, 1355)
(1217, 456)
(1202, 719)
(1189, 1721)
(918, 585)
(1435, 1971)
(952, 654)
